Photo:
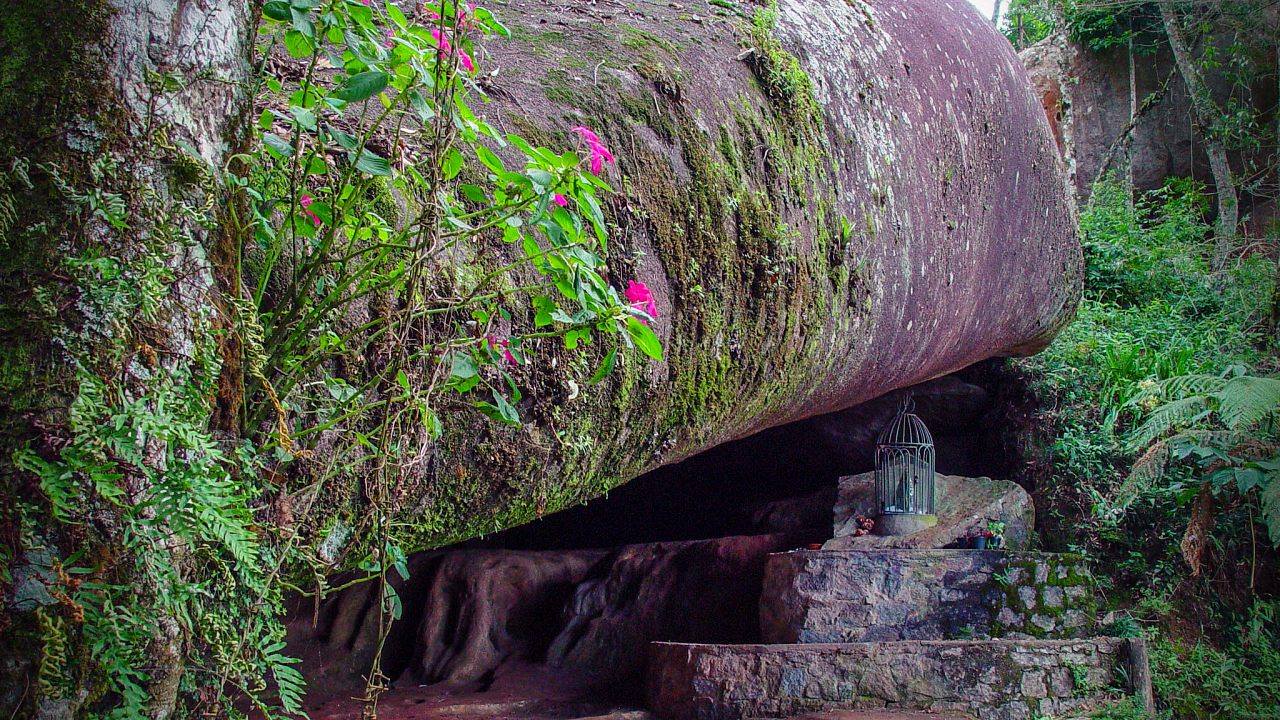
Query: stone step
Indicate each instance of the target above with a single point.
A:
(989, 680)
(871, 715)
(842, 596)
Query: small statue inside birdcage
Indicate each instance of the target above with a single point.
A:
(905, 477)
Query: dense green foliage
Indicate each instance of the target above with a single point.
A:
(1155, 320)
(1159, 454)
(367, 293)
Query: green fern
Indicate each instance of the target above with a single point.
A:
(1225, 421)
(1246, 401)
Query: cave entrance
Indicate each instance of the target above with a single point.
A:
(784, 479)
(553, 619)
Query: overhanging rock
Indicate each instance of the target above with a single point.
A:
(908, 220)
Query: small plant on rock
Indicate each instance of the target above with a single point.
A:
(995, 534)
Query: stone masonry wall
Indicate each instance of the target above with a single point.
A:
(848, 596)
(992, 680)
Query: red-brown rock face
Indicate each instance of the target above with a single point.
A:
(808, 250)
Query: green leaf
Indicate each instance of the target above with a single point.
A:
(452, 164)
(644, 338)
(1248, 400)
(463, 367)
(1271, 507)
(404, 381)
(606, 367)
(278, 145)
(306, 118)
(302, 22)
(544, 306)
(421, 106)
(363, 86)
(276, 10)
(475, 194)
(597, 216)
(541, 179)
(373, 163)
(491, 161)
(298, 45)
(500, 409)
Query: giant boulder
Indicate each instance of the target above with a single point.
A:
(810, 249)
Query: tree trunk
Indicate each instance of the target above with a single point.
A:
(995, 14)
(1202, 102)
(1133, 121)
(1274, 318)
(116, 118)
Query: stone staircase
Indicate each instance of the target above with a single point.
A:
(879, 624)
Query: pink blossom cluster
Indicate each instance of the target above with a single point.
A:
(465, 21)
(599, 153)
(305, 201)
(497, 342)
(641, 298)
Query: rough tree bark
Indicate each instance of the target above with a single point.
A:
(1228, 220)
(115, 116)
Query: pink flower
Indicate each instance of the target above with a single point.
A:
(446, 48)
(599, 153)
(560, 200)
(441, 40)
(305, 201)
(368, 3)
(588, 135)
(495, 343)
(638, 294)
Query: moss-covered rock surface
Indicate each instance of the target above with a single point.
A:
(829, 200)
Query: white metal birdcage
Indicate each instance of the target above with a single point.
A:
(905, 476)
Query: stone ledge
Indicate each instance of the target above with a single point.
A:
(990, 680)
(838, 596)
(964, 504)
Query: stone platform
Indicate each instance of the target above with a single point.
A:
(988, 680)
(902, 624)
(823, 596)
(964, 504)
(871, 715)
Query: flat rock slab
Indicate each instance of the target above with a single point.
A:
(990, 680)
(837, 596)
(964, 504)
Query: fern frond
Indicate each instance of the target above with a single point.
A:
(1171, 416)
(1247, 400)
(1145, 473)
(1182, 386)
(1271, 508)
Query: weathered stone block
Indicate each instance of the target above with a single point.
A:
(820, 596)
(989, 680)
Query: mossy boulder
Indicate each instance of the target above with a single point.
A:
(904, 216)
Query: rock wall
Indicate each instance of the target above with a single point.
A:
(874, 596)
(1089, 102)
(473, 616)
(993, 680)
(809, 251)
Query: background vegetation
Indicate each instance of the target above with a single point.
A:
(1156, 446)
(1185, 555)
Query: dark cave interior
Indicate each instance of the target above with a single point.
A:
(722, 491)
